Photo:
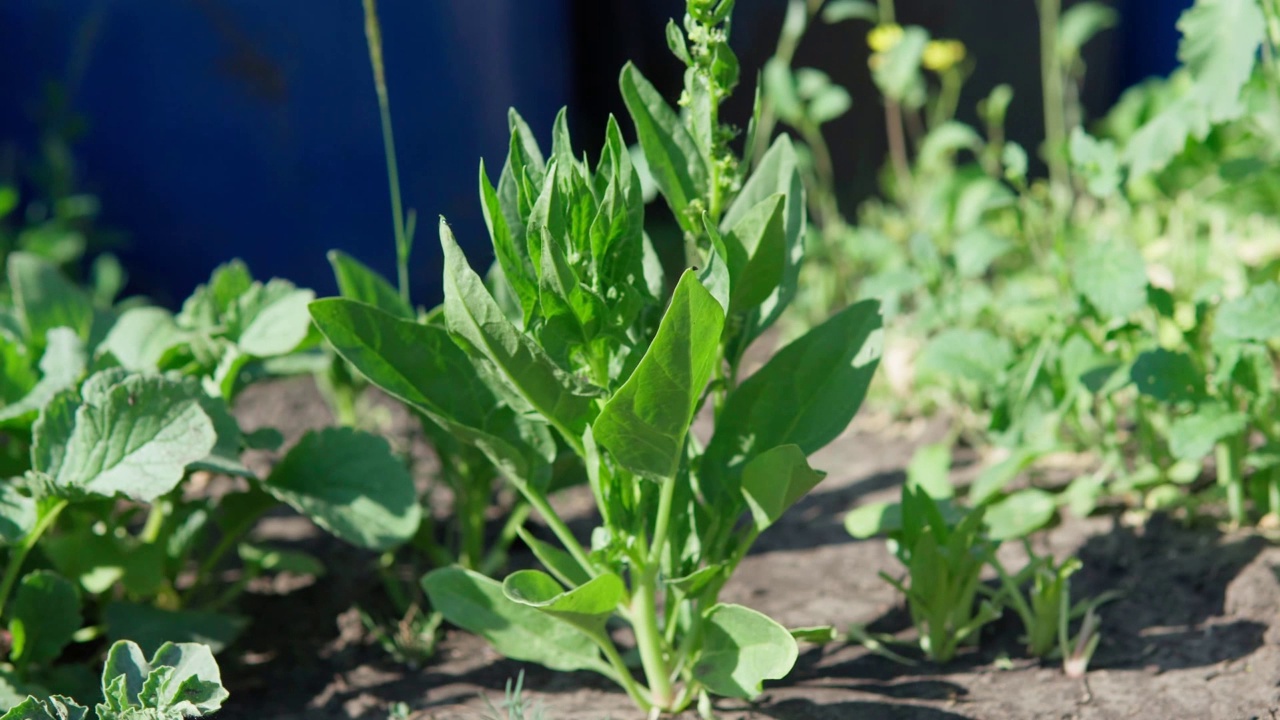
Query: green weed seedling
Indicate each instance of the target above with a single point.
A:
(944, 560)
(180, 681)
(576, 355)
(1046, 610)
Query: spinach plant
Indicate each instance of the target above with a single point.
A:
(181, 680)
(578, 352)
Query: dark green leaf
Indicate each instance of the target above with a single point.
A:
(1167, 376)
(357, 281)
(678, 167)
(774, 480)
(350, 484)
(44, 616)
(152, 627)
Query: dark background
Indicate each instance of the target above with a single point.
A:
(247, 128)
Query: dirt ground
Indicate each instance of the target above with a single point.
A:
(1195, 633)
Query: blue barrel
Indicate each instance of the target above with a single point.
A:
(1148, 42)
(243, 128)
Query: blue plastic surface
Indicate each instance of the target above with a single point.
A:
(249, 128)
(1149, 37)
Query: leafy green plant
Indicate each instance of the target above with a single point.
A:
(576, 356)
(1046, 610)
(108, 416)
(180, 681)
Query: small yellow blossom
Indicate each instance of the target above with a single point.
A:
(942, 55)
(883, 38)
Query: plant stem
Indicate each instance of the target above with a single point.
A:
(663, 520)
(886, 12)
(644, 610)
(625, 678)
(497, 556)
(373, 35)
(1228, 454)
(1055, 130)
(558, 528)
(18, 555)
(155, 521)
(897, 148)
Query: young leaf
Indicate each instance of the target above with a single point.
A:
(757, 253)
(644, 424)
(17, 514)
(1167, 376)
(421, 365)
(134, 437)
(54, 708)
(509, 247)
(587, 606)
(899, 70)
(181, 680)
(678, 167)
(474, 317)
(1079, 24)
(477, 604)
(972, 354)
(273, 318)
(742, 648)
(350, 484)
(357, 281)
(774, 480)
(44, 616)
(1193, 436)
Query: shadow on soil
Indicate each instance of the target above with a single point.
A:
(809, 710)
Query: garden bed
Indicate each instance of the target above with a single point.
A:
(1195, 633)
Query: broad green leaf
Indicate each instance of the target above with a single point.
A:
(1097, 161)
(1020, 514)
(868, 521)
(757, 253)
(774, 480)
(477, 604)
(741, 648)
(975, 355)
(805, 395)
(45, 614)
(151, 627)
(474, 317)
(1193, 436)
(273, 321)
(421, 365)
(53, 708)
(62, 365)
(351, 484)
(359, 282)
(930, 470)
(46, 299)
(1112, 276)
(645, 422)
(678, 167)
(142, 336)
(587, 606)
(1253, 317)
(1167, 376)
(1079, 24)
(134, 438)
(17, 514)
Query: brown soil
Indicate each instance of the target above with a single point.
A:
(1195, 635)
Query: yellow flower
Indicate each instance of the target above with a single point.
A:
(942, 55)
(882, 38)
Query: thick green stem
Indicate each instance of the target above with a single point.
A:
(1229, 458)
(18, 555)
(634, 691)
(649, 639)
(1055, 130)
(373, 34)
